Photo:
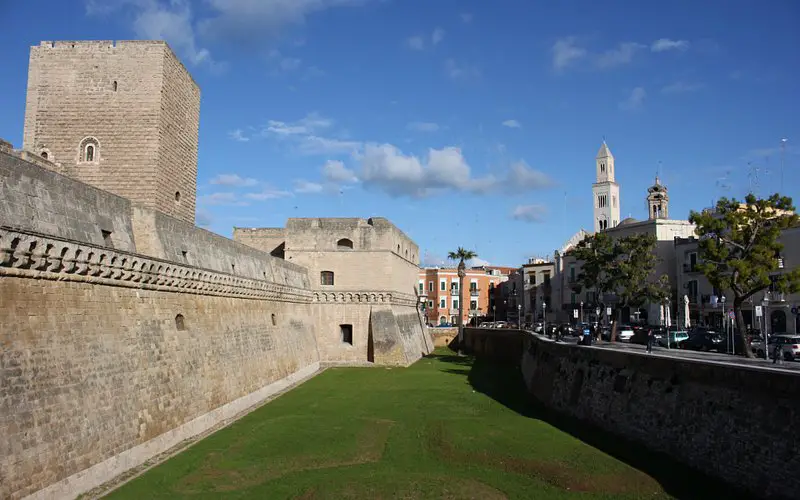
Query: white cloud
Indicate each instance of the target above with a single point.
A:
(466, 17)
(529, 213)
(423, 126)
(681, 87)
(334, 171)
(305, 187)
(664, 44)
(233, 180)
(478, 262)
(238, 135)
(416, 42)
(311, 124)
(268, 194)
(566, 52)
(386, 167)
(512, 124)
(619, 56)
(316, 145)
(437, 36)
(634, 100)
(305, 136)
(221, 198)
(459, 70)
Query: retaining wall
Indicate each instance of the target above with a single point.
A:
(733, 422)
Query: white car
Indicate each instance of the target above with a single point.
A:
(624, 333)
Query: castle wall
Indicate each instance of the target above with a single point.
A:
(99, 374)
(266, 239)
(43, 201)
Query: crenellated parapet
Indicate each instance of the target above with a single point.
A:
(366, 297)
(28, 254)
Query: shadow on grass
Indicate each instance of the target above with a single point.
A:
(504, 384)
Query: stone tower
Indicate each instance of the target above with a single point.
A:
(122, 116)
(605, 191)
(657, 201)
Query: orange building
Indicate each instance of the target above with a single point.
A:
(438, 290)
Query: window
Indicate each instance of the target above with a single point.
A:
(430, 286)
(89, 151)
(421, 288)
(344, 244)
(532, 279)
(454, 287)
(274, 320)
(473, 304)
(326, 278)
(107, 238)
(44, 154)
(602, 167)
(572, 273)
(443, 304)
(180, 324)
(430, 304)
(442, 320)
(473, 287)
(443, 285)
(455, 303)
(572, 298)
(177, 196)
(546, 278)
(347, 333)
(114, 86)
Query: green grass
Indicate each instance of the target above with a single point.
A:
(447, 427)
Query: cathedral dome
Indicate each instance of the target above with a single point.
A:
(628, 220)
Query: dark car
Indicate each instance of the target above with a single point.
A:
(703, 340)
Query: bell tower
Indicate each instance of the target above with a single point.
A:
(605, 191)
(657, 201)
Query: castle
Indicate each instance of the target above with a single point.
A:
(125, 328)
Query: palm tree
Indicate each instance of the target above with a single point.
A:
(461, 254)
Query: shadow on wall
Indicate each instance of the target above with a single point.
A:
(503, 382)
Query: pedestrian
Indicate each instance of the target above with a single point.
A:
(777, 354)
(558, 332)
(650, 340)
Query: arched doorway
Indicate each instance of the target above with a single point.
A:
(778, 321)
(442, 320)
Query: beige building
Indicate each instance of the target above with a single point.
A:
(705, 302)
(538, 286)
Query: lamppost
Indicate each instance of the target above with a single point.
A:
(765, 304)
(725, 322)
(519, 316)
(597, 315)
(494, 308)
(581, 315)
(544, 317)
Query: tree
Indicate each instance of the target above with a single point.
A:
(621, 266)
(596, 253)
(461, 255)
(739, 250)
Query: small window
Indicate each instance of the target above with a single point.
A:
(233, 268)
(398, 249)
(180, 323)
(326, 278)
(347, 333)
(185, 255)
(114, 86)
(274, 320)
(89, 150)
(344, 244)
(443, 286)
(107, 238)
(177, 196)
(602, 167)
(443, 303)
(44, 154)
(430, 286)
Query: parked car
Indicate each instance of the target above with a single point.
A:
(702, 340)
(624, 333)
(675, 336)
(789, 345)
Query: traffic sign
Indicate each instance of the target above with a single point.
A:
(758, 311)
(794, 310)
(731, 315)
(608, 311)
(575, 313)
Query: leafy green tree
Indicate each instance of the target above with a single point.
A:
(739, 250)
(624, 267)
(461, 255)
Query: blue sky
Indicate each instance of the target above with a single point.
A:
(467, 123)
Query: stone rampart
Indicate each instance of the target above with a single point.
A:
(731, 421)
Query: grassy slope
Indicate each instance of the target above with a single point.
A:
(420, 432)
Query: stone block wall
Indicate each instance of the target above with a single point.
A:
(730, 421)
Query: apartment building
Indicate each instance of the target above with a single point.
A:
(438, 288)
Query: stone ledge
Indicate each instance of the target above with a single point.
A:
(366, 297)
(27, 254)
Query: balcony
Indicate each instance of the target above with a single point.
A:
(775, 296)
(690, 268)
(474, 292)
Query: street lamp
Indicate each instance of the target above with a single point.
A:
(725, 321)
(519, 316)
(765, 304)
(544, 317)
(581, 316)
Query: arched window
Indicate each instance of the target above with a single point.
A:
(344, 244)
(326, 278)
(115, 86)
(602, 167)
(44, 154)
(89, 151)
(274, 320)
(180, 324)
